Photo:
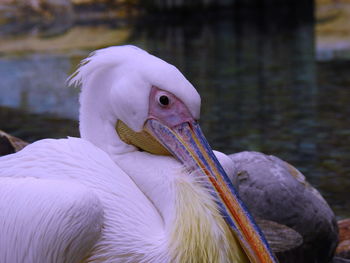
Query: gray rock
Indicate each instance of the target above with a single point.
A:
(10, 144)
(340, 260)
(280, 237)
(40, 12)
(274, 190)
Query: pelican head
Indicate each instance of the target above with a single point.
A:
(138, 101)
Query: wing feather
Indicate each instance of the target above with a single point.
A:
(44, 221)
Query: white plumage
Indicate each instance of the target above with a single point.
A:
(100, 199)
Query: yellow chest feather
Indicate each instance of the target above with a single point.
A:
(200, 234)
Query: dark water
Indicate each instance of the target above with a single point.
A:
(262, 89)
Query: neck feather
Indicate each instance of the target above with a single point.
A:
(199, 233)
(97, 120)
(194, 230)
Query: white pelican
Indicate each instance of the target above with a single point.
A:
(142, 185)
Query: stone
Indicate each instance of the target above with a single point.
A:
(275, 190)
(10, 144)
(343, 249)
(280, 237)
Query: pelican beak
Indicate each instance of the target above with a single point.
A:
(187, 143)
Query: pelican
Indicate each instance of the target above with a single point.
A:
(141, 184)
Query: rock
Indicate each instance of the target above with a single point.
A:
(10, 144)
(340, 260)
(280, 238)
(5, 146)
(39, 5)
(35, 11)
(274, 190)
(343, 249)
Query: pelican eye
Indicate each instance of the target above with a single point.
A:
(164, 100)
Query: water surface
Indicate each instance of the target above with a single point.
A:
(262, 87)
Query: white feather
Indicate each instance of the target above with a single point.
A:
(67, 200)
(116, 83)
(47, 220)
(131, 223)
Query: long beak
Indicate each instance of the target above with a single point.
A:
(187, 143)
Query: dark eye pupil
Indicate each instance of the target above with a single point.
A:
(164, 100)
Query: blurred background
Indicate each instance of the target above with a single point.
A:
(274, 75)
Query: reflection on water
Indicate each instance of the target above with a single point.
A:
(35, 83)
(261, 89)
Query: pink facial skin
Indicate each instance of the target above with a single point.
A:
(172, 113)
